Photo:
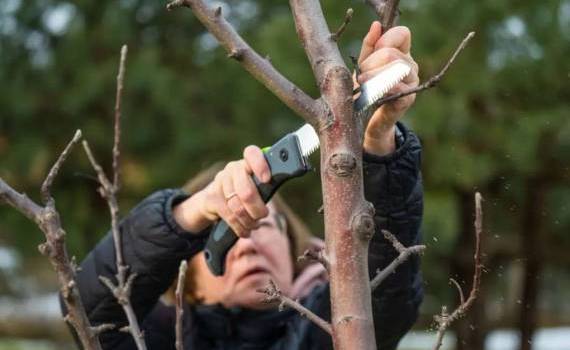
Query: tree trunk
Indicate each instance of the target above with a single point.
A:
(532, 255)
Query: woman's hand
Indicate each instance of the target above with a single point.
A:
(232, 196)
(377, 51)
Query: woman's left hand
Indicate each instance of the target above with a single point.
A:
(377, 51)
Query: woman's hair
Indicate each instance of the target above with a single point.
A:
(297, 231)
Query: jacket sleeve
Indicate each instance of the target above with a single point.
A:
(153, 246)
(394, 186)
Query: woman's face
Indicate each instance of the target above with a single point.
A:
(250, 264)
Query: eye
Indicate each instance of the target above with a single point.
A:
(266, 224)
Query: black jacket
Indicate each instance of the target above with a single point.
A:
(153, 246)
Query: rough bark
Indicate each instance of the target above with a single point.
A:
(348, 217)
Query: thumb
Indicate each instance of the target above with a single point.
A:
(369, 42)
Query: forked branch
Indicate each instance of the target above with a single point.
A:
(405, 253)
(273, 294)
(259, 67)
(445, 319)
(48, 220)
(108, 190)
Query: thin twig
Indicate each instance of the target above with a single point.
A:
(273, 294)
(431, 82)
(116, 152)
(405, 253)
(317, 254)
(459, 290)
(108, 190)
(48, 220)
(46, 186)
(347, 18)
(180, 304)
(445, 319)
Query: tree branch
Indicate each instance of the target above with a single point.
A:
(444, 320)
(319, 255)
(313, 32)
(347, 18)
(48, 220)
(387, 12)
(180, 304)
(273, 294)
(405, 253)
(259, 67)
(431, 82)
(46, 186)
(117, 138)
(108, 190)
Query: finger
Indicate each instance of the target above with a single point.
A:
(398, 37)
(370, 40)
(397, 107)
(249, 195)
(226, 214)
(382, 57)
(231, 196)
(255, 159)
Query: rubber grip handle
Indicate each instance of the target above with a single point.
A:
(285, 162)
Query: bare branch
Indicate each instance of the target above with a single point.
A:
(102, 328)
(108, 190)
(387, 12)
(319, 255)
(273, 294)
(347, 18)
(20, 202)
(322, 51)
(431, 82)
(259, 67)
(45, 189)
(444, 320)
(116, 152)
(180, 304)
(459, 290)
(48, 220)
(405, 253)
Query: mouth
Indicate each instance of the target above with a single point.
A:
(254, 271)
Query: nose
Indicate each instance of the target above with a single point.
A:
(245, 246)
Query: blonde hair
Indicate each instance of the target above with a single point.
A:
(297, 231)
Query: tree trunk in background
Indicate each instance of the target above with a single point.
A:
(470, 330)
(532, 256)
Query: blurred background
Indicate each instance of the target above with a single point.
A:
(498, 124)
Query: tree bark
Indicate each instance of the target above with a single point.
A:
(348, 217)
(532, 254)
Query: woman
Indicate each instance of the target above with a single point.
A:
(227, 312)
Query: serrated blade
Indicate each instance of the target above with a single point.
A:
(370, 92)
(308, 139)
(376, 87)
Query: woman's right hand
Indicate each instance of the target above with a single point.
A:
(232, 196)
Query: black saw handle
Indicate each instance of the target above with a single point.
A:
(285, 162)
